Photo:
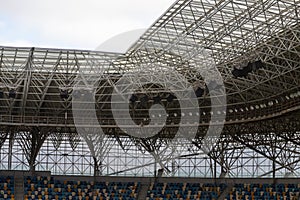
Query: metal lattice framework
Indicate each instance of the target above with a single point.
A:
(262, 128)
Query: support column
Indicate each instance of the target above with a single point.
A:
(98, 171)
(11, 143)
(31, 141)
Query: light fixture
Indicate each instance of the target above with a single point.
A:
(12, 93)
(64, 94)
(244, 71)
(144, 98)
(156, 99)
(133, 98)
(240, 72)
(170, 97)
(199, 92)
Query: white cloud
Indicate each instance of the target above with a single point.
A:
(16, 43)
(2, 25)
(76, 23)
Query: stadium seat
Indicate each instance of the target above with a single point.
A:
(264, 191)
(48, 188)
(7, 187)
(184, 191)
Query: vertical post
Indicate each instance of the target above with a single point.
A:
(274, 167)
(215, 169)
(96, 169)
(100, 169)
(11, 142)
(155, 168)
(173, 167)
(273, 146)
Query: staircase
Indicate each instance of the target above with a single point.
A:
(19, 186)
(143, 191)
(226, 191)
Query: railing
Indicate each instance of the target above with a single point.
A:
(34, 120)
(262, 109)
(234, 114)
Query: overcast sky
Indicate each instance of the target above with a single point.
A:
(75, 24)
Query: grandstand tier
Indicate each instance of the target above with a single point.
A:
(43, 186)
(211, 90)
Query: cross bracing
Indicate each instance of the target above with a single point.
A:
(262, 105)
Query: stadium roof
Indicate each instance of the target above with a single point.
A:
(254, 45)
(233, 33)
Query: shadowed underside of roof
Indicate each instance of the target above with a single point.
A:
(233, 33)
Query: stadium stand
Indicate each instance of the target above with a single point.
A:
(200, 191)
(7, 187)
(48, 122)
(264, 192)
(49, 188)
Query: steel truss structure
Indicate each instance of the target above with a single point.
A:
(261, 134)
